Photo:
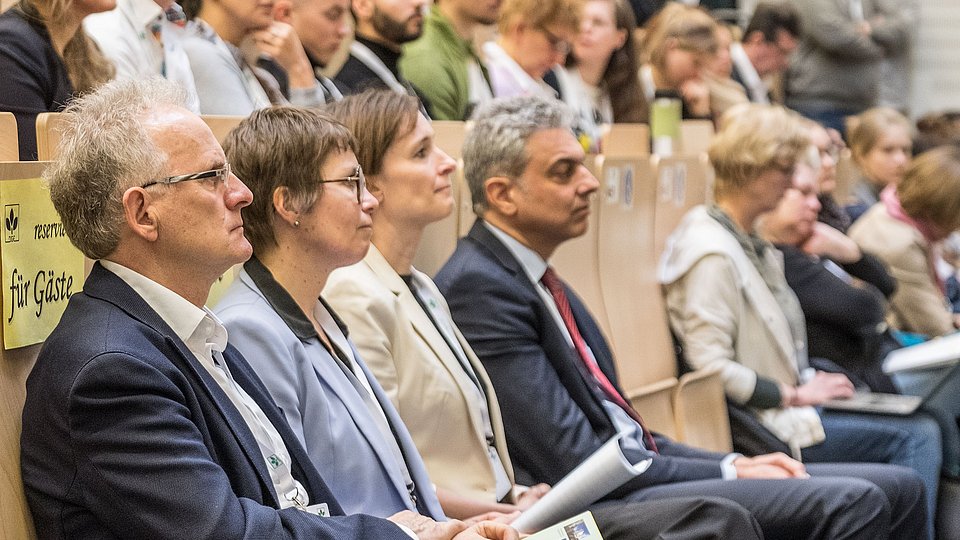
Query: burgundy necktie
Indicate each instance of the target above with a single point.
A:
(554, 285)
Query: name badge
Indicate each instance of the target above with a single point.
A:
(318, 509)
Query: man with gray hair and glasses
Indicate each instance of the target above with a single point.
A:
(140, 421)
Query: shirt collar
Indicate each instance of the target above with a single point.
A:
(531, 262)
(187, 321)
(749, 73)
(141, 13)
(284, 304)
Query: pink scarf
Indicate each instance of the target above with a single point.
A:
(892, 203)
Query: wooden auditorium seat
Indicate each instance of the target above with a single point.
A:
(48, 135)
(695, 136)
(682, 182)
(9, 140)
(577, 261)
(221, 125)
(637, 328)
(440, 238)
(15, 365)
(847, 175)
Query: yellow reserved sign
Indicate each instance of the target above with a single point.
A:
(41, 268)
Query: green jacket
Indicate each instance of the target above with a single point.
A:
(436, 64)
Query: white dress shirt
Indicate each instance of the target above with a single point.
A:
(205, 336)
(758, 90)
(126, 36)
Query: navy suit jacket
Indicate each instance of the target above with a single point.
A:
(552, 417)
(125, 434)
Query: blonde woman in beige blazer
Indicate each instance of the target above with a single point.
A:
(731, 307)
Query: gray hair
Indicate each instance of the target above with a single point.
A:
(104, 150)
(497, 143)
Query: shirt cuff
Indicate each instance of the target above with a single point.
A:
(727, 470)
(408, 531)
(307, 97)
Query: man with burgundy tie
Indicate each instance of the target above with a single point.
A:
(553, 370)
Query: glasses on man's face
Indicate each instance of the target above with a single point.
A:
(357, 179)
(219, 175)
(557, 43)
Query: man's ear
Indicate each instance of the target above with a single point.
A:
(362, 9)
(281, 205)
(754, 38)
(500, 192)
(139, 213)
(283, 11)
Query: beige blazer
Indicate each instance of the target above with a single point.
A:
(917, 305)
(420, 374)
(727, 318)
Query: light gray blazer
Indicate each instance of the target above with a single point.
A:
(324, 409)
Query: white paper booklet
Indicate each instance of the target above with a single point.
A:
(604, 471)
(579, 527)
(937, 352)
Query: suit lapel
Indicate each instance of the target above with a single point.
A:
(563, 357)
(336, 378)
(107, 286)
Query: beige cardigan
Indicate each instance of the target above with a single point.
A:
(726, 317)
(416, 368)
(917, 305)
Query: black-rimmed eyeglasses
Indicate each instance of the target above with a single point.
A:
(220, 175)
(357, 179)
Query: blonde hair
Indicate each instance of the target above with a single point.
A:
(541, 13)
(930, 189)
(752, 139)
(691, 28)
(867, 127)
(87, 67)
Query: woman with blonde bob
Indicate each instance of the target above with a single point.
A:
(46, 58)
(904, 229)
(732, 310)
(678, 43)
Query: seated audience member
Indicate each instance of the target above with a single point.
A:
(725, 92)
(535, 36)
(904, 228)
(227, 82)
(731, 308)
(443, 63)
(140, 421)
(679, 41)
(829, 145)
(553, 371)
(845, 319)
(322, 26)
(382, 27)
(314, 216)
(602, 69)
(144, 38)
(404, 331)
(881, 144)
(768, 42)
(45, 58)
